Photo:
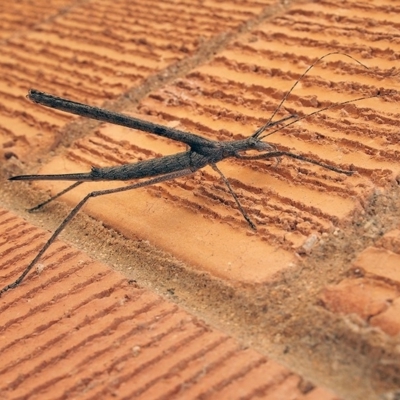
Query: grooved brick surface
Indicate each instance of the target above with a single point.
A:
(305, 307)
(79, 330)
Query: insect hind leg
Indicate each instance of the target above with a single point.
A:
(56, 196)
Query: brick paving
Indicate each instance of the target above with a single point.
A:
(185, 301)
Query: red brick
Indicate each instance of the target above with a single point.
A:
(363, 297)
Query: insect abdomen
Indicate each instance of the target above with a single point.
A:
(148, 168)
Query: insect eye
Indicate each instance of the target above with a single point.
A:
(252, 142)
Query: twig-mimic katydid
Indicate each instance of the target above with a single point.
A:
(201, 152)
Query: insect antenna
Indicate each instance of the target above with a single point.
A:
(321, 110)
(260, 130)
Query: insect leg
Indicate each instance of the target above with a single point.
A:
(76, 209)
(277, 154)
(56, 196)
(246, 217)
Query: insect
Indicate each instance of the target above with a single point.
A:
(201, 152)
